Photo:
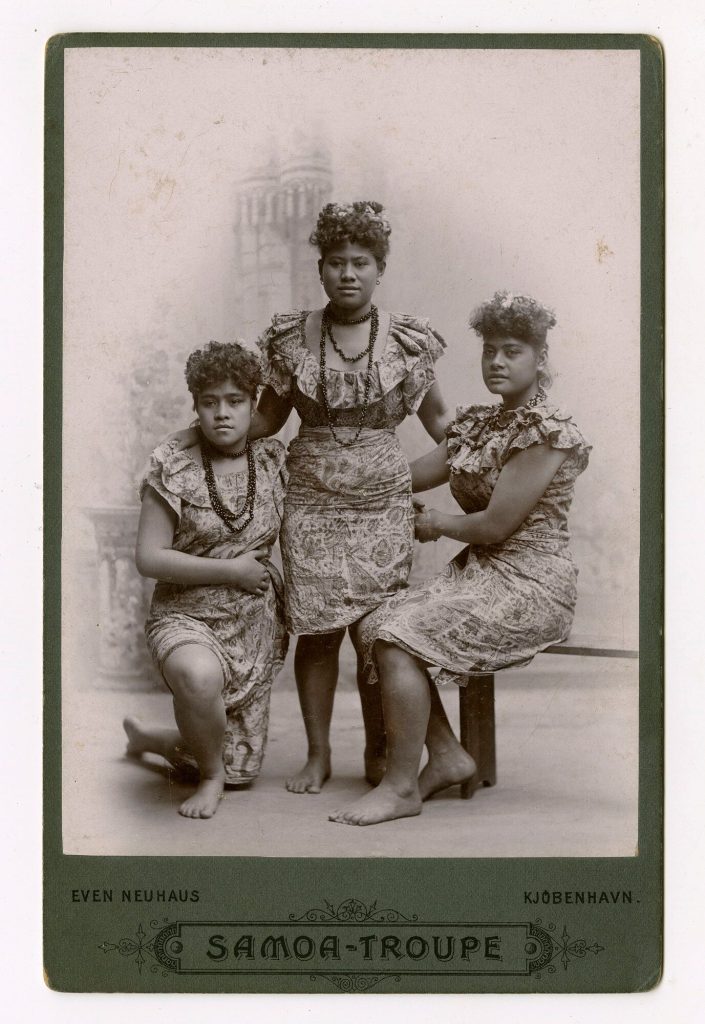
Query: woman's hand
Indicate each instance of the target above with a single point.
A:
(157, 559)
(183, 439)
(250, 574)
(426, 527)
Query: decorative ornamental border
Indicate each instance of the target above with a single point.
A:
(518, 948)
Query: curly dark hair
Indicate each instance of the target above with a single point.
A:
(217, 363)
(513, 316)
(361, 222)
(516, 316)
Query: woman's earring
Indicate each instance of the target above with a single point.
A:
(379, 279)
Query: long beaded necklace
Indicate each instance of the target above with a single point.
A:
(372, 315)
(374, 324)
(235, 521)
(538, 398)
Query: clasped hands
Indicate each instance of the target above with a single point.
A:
(426, 526)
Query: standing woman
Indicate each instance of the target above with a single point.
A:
(506, 596)
(353, 373)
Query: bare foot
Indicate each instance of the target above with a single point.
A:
(382, 804)
(448, 769)
(375, 767)
(312, 776)
(204, 802)
(136, 738)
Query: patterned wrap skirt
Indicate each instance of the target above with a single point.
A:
(347, 535)
(245, 633)
(492, 607)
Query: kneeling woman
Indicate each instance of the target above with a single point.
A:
(210, 515)
(506, 596)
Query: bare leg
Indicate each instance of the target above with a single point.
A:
(406, 701)
(448, 762)
(167, 743)
(316, 670)
(195, 677)
(373, 719)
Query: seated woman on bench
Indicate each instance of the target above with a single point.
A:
(506, 596)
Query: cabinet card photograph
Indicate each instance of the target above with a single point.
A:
(354, 472)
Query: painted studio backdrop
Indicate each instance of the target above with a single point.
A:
(192, 181)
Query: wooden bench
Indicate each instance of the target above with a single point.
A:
(477, 727)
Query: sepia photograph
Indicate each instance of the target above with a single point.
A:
(350, 451)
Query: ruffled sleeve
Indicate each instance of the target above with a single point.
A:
(280, 348)
(549, 425)
(407, 363)
(413, 349)
(175, 477)
(271, 456)
(466, 437)
(483, 438)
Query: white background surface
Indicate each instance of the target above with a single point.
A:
(681, 28)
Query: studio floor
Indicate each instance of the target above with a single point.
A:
(567, 786)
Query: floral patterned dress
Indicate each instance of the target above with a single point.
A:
(245, 631)
(347, 534)
(494, 605)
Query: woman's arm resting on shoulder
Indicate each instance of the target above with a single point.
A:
(434, 413)
(271, 414)
(431, 469)
(182, 439)
(156, 558)
(519, 486)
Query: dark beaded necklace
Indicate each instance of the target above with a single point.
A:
(235, 521)
(327, 324)
(348, 323)
(368, 377)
